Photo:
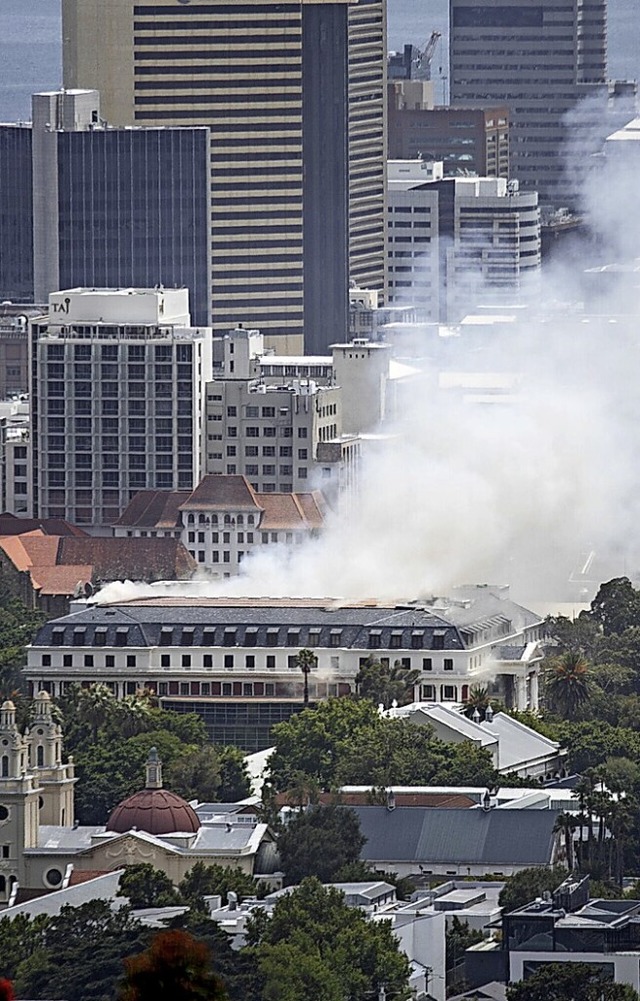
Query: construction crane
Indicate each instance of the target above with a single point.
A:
(425, 56)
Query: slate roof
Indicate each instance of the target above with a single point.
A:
(458, 837)
(233, 492)
(10, 524)
(157, 623)
(153, 509)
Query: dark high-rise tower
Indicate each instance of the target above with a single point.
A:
(293, 94)
(540, 57)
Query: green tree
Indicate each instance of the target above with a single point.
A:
(310, 741)
(94, 706)
(578, 635)
(195, 775)
(616, 606)
(174, 968)
(319, 842)
(306, 661)
(328, 944)
(458, 938)
(566, 683)
(569, 982)
(384, 685)
(20, 938)
(526, 885)
(82, 954)
(235, 783)
(205, 880)
(146, 886)
(567, 823)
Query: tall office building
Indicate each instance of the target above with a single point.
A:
(540, 57)
(82, 204)
(293, 94)
(118, 384)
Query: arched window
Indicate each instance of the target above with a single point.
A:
(40, 756)
(3, 886)
(5, 766)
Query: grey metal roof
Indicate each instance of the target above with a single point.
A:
(101, 888)
(518, 743)
(472, 837)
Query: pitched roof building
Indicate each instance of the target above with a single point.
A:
(224, 520)
(234, 660)
(47, 570)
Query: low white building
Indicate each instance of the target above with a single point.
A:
(516, 749)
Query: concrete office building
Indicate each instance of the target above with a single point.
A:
(16, 215)
(118, 400)
(294, 96)
(540, 58)
(85, 205)
(455, 241)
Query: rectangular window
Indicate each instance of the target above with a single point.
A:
(416, 641)
(396, 641)
(271, 662)
(438, 640)
(314, 639)
(109, 660)
(165, 660)
(250, 661)
(427, 664)
(207, 660)
(228, 660)
(336, 637)
(272, 637)
(448, 664)
(429, 693)
(131, 660)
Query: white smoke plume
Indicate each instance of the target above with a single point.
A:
(519, 492)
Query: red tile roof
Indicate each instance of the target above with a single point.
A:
(57, 565)
(294, 512)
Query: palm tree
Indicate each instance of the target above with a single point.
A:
(134, 713)
(306, 661)
(385, 685)
(95, 705)
(566, 682)
(567, 823)
(478, 698)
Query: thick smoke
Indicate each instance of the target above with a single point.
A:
(538, 489)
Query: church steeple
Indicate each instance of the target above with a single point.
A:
(154, 770)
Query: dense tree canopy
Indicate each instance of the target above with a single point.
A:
(569, 982)
(320, 842)
(110, 740)
(384, 684)
(526, 885)
(346, 741)
(145, 886)
(315, 946)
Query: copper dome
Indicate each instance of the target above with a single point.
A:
(156, 811)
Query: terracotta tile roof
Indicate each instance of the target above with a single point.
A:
(78, 876)
(299, 512)
(219, 491)
(154, 509)
(57, 565)
(446, 801)
(61, 580)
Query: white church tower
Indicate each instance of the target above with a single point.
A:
(56, 780)
(19, 801)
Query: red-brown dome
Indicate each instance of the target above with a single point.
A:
(156, 811)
